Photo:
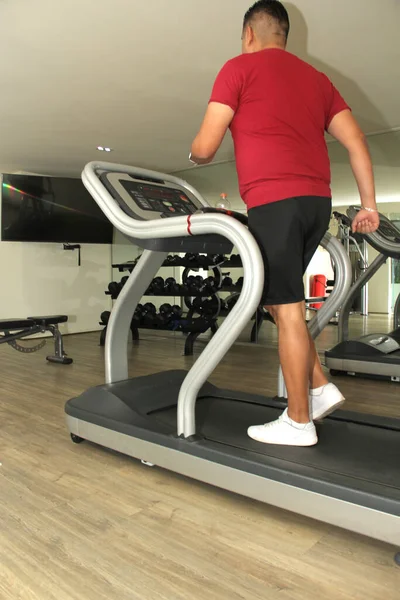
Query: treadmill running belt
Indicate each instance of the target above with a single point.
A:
(358, 455)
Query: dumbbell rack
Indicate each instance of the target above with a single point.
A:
(188, 325)
(235, 262)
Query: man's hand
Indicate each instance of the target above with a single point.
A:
(365, 222)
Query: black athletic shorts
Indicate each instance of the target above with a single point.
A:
(288, 233)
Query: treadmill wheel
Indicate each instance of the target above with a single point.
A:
(335, 373)
(76, 439)
(397, 559)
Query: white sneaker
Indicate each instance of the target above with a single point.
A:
(285, 432)
(324, 400)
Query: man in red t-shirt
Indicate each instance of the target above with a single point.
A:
(278, 109)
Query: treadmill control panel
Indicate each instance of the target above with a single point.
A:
(165, 201)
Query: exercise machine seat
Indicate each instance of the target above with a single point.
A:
(50, 320)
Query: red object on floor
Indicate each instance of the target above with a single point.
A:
(318, 285)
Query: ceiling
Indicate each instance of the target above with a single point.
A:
(136, 76)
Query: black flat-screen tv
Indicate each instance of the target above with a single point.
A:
(51, 209)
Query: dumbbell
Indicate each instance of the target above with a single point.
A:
(105, 317)
(158, 286)
(239, 283)
(199, 283)
(165, 315)
(203, 260)
(192, 285)
(183, 290)
(210, 285)
(124, 280)
(190, 257)
(138, 316)
(175, 260)
(227, 282)
(217, 259)
(207, 307)
(114, 288)
(171, 287)
(149, 312)
(177, 311)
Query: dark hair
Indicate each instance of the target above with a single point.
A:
(271, 8)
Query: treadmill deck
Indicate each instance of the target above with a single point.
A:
(357, 459)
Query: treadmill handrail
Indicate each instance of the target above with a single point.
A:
(253, 267)
(200, 224)
(376, 239)
(397, 313)
(387, 249)
(344, 317)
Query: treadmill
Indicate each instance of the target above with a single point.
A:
(376, 355)
(179, 421)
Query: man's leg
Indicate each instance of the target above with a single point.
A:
(317, 377)
(284, 231)
(294, 427)
(295, 353)
(325, 397)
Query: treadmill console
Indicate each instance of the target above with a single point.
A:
(146, 199)
(167, 201)
(147, 196)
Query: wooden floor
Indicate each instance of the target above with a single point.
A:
(83, 523)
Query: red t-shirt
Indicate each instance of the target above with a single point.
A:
(283, 106)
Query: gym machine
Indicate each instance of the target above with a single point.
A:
(200, 295)
(181, 422)
(203, 302)
(356, 247)
(13, 331)
(376, 355)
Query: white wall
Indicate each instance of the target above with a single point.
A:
(380, 289)
(123, 251)
(44, 279)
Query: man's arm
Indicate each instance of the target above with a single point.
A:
(213, 129)
(346, 130)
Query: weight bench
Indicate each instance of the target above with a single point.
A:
(13, 330)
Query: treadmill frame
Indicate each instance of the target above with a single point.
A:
(354, 517)
(356, 364)
(116, 346)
